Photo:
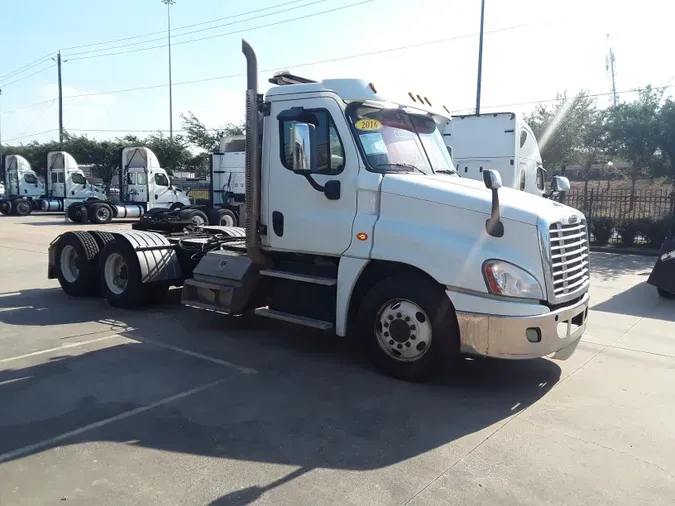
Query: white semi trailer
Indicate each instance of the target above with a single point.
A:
(355, 222)
(503, 142)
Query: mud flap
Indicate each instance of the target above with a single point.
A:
(663, 273)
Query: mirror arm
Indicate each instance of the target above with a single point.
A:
(313, 183)
(494, 225)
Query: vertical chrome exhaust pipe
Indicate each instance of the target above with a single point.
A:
(253, 150)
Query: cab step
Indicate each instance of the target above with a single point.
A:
(293, 318)
(295, 276)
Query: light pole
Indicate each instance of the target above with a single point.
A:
(169, 3)
(480, 56)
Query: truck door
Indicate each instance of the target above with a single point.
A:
(77, 185)
(159, 189)
(298, 216)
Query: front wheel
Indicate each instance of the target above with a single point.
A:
(101, 213)
(409, 328)
(23, 207)
(224, 218)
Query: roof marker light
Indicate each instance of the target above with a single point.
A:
(427, 101)
(372, 87)
(412, 96)
(419, 97)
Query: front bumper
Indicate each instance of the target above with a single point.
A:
(557, 332)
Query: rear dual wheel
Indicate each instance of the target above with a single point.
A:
(6, 207)
(101, 213)
(120, 278)
(76, 254)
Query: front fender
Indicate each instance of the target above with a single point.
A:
(450, 243)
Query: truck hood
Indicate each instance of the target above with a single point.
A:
(472, 195)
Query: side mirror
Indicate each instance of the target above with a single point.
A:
(560, 184)
(449, 150)
(303, 143)
(493, 182)
(492, 179)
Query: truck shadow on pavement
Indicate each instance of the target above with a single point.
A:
(283, 396)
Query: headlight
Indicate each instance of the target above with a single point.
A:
(504, 278)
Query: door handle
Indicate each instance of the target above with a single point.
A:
(278, 223)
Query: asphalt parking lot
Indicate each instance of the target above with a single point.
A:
(173, 406)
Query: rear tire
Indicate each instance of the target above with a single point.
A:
(176, 206)
(409, 328)
(74, 213)
(101, 213)
(76, 255)
(120, 276)
(23, 207)
(197, 217)
(666, 295)
(224, 218)
(6, 207)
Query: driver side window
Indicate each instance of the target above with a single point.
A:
(30, 178)
(78, 179)
(161, 180)
(330, 151)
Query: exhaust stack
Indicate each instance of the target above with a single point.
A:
(252, 156)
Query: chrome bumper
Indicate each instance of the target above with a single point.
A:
(557, 332)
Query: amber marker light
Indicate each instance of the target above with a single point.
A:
(362, 236)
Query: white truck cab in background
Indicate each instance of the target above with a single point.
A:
(66, 181)
(503, 142)
(22, 187)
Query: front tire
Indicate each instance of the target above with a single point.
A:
(197, 217)
(76, 256)
(23, 207)
(224, 218)
(101, 213)
(409, 328)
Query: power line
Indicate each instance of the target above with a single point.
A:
(549, 100)
(28, 66)
(36, 119)
(32, 135)
(26, 77)
(195, 31)
(227, 33)
(306, 64)
(27, 106)
(182, 27)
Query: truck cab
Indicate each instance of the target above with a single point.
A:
(503, 142)
(22, 187)
(144, 181)
(65, 180)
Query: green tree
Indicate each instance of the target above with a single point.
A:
(558, 128)
(666, 136)
(173, 154)
(592, 146)
(633, 133)
(104, 156)
(201, 137)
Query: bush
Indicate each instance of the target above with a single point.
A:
(628, 230)
(654, 231)
(602, 228)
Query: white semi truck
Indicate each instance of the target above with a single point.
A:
(144, 186)
(503, 142)
(355, 222)
(64, 180)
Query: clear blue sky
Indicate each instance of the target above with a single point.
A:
(543, 47)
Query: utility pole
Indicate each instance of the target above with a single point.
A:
(480, 56)
(609, 68)
(58, 64)
(169, 3)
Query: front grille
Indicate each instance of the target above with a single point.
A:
(569, 258)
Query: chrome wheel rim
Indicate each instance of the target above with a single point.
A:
(116, 273)
(198, 220)
(403, 330)
(226, 221)
(103, 213)
(69, 264)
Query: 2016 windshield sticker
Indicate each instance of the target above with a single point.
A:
(368, 125)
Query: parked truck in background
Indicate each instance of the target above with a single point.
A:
(144, 186)
(64, 180)
(503, 142)
(22, 187)
(356, 222)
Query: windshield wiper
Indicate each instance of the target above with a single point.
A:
(402, 165)
(445, 171)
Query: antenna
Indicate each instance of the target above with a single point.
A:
(610, 62)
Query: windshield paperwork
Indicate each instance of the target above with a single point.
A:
(396, 141)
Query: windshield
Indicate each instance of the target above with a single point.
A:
(78, 179)
(396, 141)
